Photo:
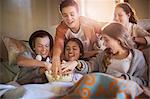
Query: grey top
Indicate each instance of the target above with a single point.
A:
(137, 71)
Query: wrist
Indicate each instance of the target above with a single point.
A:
(55, 59)
(45, 64)
(79, 66)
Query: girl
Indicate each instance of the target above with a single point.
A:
(125, 15)
(73, 51)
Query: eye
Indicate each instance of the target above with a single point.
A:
(120, 15)
(39, 46)
(64, 15)
(72, 14)
(67, 49)
(74, 48)
(47, 46)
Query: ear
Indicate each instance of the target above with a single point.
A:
(119, 42)
(34, 48)
(129, 15)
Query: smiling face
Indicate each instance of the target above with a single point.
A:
(70, 16)
(72, 51)
(42, 46)
(121, 16)
(111, 43)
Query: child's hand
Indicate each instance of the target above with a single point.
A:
(48, 66)
(68, 67)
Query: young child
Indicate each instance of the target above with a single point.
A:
(41, 42)
(73, 51)
(125, 15)
(120, 59)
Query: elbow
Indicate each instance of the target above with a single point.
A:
(19, 61)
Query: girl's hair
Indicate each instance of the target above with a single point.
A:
(40, 33)
(118, 32)
(79, 44)
(66, 3)
(128, 10)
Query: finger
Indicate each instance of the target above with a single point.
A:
(54, 72)
(63, 66)
(67, 72)
(59, 71)
(65, 69)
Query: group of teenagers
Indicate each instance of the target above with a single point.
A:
(76, 43)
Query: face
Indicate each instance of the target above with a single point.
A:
(42, 46)
(111, 43)
(70, 16)
(72, 51)
(120, 16)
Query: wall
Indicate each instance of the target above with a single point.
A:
(142, 8)
(22, 17)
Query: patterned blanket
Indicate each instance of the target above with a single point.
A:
(103, 86)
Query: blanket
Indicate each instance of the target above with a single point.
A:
(103, 86)
(34, 91)
(94, 85)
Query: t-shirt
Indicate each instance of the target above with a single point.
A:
(80, 35)
(117, 66)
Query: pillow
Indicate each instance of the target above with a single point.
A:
(14, 47)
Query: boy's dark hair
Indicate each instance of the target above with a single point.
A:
(40, 33)
(79, 44)
(66, 3)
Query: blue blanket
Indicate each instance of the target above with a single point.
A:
(103, 86)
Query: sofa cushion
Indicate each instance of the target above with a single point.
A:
(14, 47)
(145, 24)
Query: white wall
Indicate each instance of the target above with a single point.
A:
(20, 18)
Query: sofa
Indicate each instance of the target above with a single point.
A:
(13, 47)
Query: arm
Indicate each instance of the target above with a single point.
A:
(143, 37)
(29, 62)
(58, 47)
(94, 64)
(138, 75)
(25, 59)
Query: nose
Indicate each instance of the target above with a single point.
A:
(69, 17)
(43, 49)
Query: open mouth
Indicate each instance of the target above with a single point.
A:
(70, 22)
(71, 55)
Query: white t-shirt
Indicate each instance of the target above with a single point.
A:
(117, 66)
(80, 35)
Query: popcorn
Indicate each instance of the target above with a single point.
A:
(65, 78)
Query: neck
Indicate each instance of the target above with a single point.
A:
(127, 24)
(122, 53)
(76, 28)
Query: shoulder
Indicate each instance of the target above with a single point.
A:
(62, 26)
(27, 54)
(137, 27)
(137, 54)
